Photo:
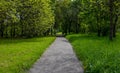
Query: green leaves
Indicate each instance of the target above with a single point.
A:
(27, 18)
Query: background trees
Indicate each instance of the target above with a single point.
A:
(88, 16)
(29, 18)
(25, 18)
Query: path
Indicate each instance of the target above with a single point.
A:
(59, 58)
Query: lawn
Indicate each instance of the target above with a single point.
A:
(18, 55)
(98, 54)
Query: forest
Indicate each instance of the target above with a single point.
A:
(33, 18)
(82, 22)
(25, 18)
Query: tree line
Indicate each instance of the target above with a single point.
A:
(25, 18)
(30, 18)
(88, 16)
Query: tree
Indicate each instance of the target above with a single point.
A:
(25, 18)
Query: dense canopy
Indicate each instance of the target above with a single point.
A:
(25, 18)
(30, 18)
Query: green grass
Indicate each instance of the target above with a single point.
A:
(18, 55)
(59, 33)
(98, 54)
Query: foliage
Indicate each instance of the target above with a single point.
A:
(25, 18)
(87, 16)
(32, 18)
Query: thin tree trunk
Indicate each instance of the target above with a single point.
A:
(2, 29)
(22, 31)
(98, 20)
(6, 32)
(11, 31)
(14, 30)
(114, 26)
(111, 20)
(77, 28)
(99, 27)
(69, 27)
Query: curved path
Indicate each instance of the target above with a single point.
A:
(59, 58)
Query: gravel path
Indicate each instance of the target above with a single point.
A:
(59, 58)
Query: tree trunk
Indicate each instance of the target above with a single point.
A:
(14, 30)
(21, 23)
(11, 31)
(114, 26)
(51, 30)
(99, 27)
(77, 28)
(111, 20)
(69, 27)
(99, 32)
(2, 29)
(6, 31)
(98, 15)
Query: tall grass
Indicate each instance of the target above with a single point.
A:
(98, 54)
(18, 55)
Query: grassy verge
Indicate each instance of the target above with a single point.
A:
(17, 56)
(98, 54)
